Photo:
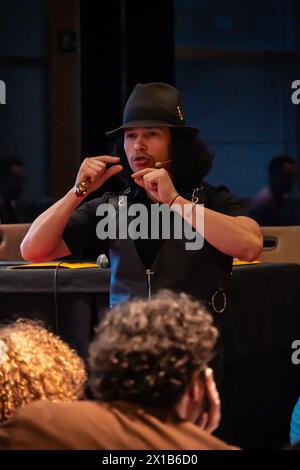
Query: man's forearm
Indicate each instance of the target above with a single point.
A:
(46, 231)
(239, 236)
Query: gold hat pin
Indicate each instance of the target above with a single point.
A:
(180, 113)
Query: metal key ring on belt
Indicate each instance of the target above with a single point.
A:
(219, 291)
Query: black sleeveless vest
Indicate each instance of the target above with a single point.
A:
(204, 273)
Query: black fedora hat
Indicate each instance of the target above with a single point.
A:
(153, 105)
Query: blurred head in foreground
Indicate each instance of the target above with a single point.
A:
(36, 365)
(154, 353)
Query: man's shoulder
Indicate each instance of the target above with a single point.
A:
(217, 193)
(212, 190)
(99, 425)
(47, 425)
(43, 410)
(220, 199)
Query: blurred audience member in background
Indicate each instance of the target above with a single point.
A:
(14, 209)
(11, 187)
(36, 365)
(295, 424)
(273, 206)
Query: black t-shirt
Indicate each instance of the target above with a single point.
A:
(80, 232)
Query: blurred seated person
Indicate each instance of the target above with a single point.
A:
(36, 365)
(273, 206)
(11, 188)
(295, 424)
(13, 209)
(149, 375)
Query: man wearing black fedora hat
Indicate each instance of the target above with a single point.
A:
(163, 162)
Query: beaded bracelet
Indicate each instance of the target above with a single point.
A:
(80, 189)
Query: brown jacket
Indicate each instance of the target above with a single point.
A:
(96, 425)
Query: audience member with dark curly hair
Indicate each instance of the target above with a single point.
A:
(36, 365)
(147, 352)
(149, 373)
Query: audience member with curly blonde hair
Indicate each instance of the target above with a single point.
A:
(36, 365)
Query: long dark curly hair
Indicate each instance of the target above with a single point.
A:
(191, 160)
(146, 352)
